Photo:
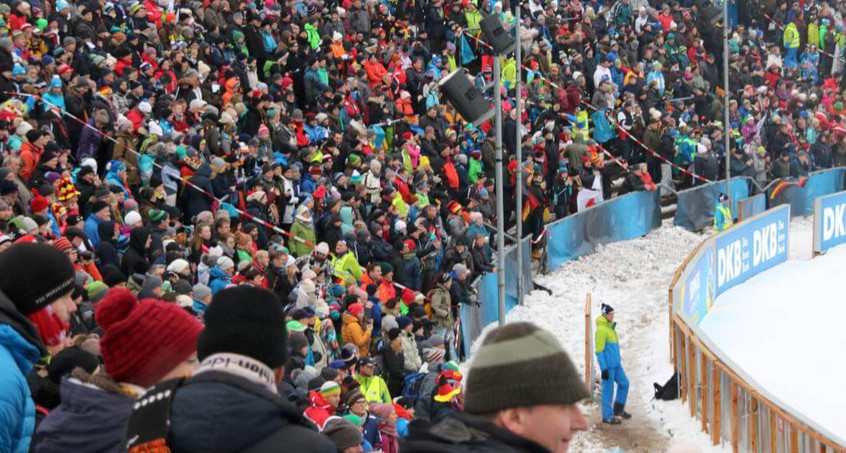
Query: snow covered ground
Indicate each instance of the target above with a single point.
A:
(633, 277)
(788, 312)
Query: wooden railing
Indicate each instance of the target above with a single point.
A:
(729, 408)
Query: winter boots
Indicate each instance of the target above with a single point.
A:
(612, 421)
(620, 412)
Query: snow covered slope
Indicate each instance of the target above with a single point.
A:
(781, 327)
(633, 277)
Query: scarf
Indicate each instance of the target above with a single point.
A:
(241, 366)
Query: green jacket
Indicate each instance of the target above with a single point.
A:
(303, 231)
(442, 307)
(312, 36)
(475, 170)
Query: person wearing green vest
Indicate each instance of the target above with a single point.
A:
(607, 347)
(722, 214)
(345, 262)
(791, 45)
(374, 388)
(509, 73)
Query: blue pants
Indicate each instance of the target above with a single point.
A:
(616, 375)
(790, 58)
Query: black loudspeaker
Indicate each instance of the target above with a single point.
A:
(468, 101)
(496, 35)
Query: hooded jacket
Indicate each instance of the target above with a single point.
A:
(465, 433)
(196, 201)
(89, 419)
(319, 409)
(218, 279)
(20, 348)
(135, 258)
(221, 412)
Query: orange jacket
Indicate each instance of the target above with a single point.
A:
(353, 332)
(30, 156)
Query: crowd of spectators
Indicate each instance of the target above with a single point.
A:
(173, 150)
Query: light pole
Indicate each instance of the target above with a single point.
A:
(726, 125)
(519, 150)
(500, 182)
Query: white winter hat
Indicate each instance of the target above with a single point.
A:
(145, 107)
(155, 129)
(131, 218)
(178, 266)
(322, 248)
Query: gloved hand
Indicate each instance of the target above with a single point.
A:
(605, 375)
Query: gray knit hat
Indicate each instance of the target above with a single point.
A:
(342, 432)
(521, 365)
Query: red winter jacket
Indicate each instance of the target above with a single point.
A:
(319, 409)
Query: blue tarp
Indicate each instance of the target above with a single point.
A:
(695, 207)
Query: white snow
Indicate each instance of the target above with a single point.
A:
(784, 314)
(634, 278)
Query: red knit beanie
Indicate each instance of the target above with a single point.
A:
(143, 341)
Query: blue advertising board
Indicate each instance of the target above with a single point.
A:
(698, 289)
(751, 247)
(829, 221)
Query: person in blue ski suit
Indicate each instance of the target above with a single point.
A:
(608, 355)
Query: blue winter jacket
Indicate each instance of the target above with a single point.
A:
(19, 350)
(91, 229)
(89, 419)
(218, 279)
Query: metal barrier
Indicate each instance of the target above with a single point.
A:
(800, 193)
(732, 408)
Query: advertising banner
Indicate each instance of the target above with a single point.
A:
(829, 222)
(698, 290)
(751, 247)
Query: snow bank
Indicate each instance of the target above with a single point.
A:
(634, 278)
(780, 327)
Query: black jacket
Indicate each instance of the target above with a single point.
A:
(196, 201)
(465, 433)
(220, 412)
(135, 258)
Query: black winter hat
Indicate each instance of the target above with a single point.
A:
(247, 321)
(112, 276)
(34, 275)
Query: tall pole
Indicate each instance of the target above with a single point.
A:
(726, 125)
(519, 149)
(500, 208)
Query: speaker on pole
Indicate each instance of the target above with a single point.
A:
(465, 97)
(496, 35)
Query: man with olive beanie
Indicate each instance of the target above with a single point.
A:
(231, 402)
(521, 395)
(33, 277)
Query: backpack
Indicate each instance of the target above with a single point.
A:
(669, 391)
(412, 386)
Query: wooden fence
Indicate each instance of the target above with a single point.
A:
(731, 410)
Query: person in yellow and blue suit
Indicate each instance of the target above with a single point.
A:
(608, 355)
(722, 214)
